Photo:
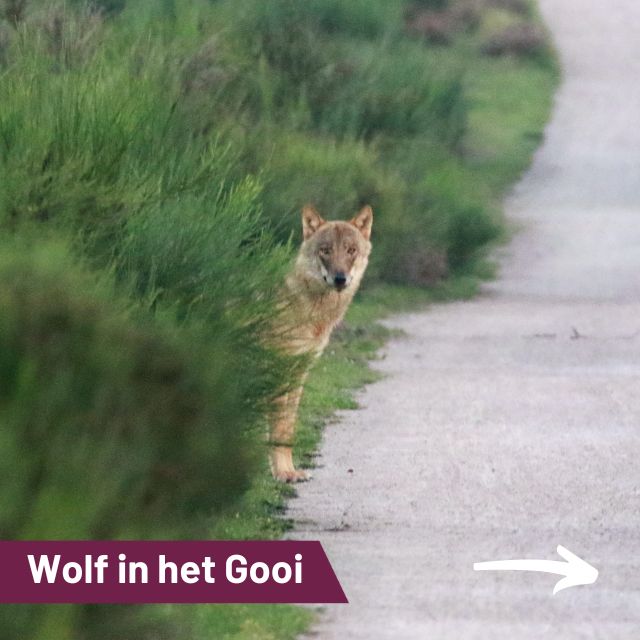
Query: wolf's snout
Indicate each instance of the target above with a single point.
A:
(340, 280)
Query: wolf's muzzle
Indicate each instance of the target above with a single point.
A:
(340, 281)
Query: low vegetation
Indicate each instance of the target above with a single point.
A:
(154, 157)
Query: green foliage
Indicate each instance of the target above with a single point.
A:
(280, 26)
(337, 176)
(335, 118)
(154, 157)
(466, 224)
(396, 92)
(112, 425)
(105, 153)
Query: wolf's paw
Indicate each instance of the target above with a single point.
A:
(292, 475)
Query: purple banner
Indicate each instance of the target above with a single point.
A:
(92, 572)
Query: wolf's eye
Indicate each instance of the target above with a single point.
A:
(325, 251)
(352, 251)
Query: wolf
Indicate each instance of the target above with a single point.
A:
(317, 293)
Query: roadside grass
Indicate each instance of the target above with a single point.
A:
(507, 118)
(251, 622)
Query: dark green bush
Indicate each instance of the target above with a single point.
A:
(390, 95)
(315, 18)
(357, 91)
(115, 161)
(89, 389)
(113, 426)
(90, 148)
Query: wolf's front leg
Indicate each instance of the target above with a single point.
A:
(282, 437)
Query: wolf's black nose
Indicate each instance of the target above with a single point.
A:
(340, 280)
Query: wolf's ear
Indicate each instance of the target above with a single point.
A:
(363, 221)
(311, 221)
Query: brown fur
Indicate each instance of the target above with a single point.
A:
(317, 293)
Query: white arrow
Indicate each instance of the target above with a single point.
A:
(575, 570)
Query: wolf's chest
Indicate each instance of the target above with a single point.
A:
(309, 337)
(320, 329)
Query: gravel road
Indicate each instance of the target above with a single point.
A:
(510, 424)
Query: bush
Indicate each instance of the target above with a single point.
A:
(343, 90)
(112, 426)
(376, 99)
(339, 177)
(114, 160)
(396, 93)
(462, 223)
(90, 148)
(89, 390)
(358, 18)
(283, 49)
(435, 27)
(366, 18)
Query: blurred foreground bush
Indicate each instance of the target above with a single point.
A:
(141, 412)
(112, 426)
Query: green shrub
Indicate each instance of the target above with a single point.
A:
(91, 147)
(112, 426)
(91, 390)
(397, 92)
(462, 221)
(284, 52)
(345, 90)
(277, 18)
(99, 154)
(337, 176)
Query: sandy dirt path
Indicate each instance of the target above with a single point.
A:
(510, 424)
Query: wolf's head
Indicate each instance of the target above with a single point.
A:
(335, 253)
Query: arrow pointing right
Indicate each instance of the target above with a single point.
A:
(575, 570)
